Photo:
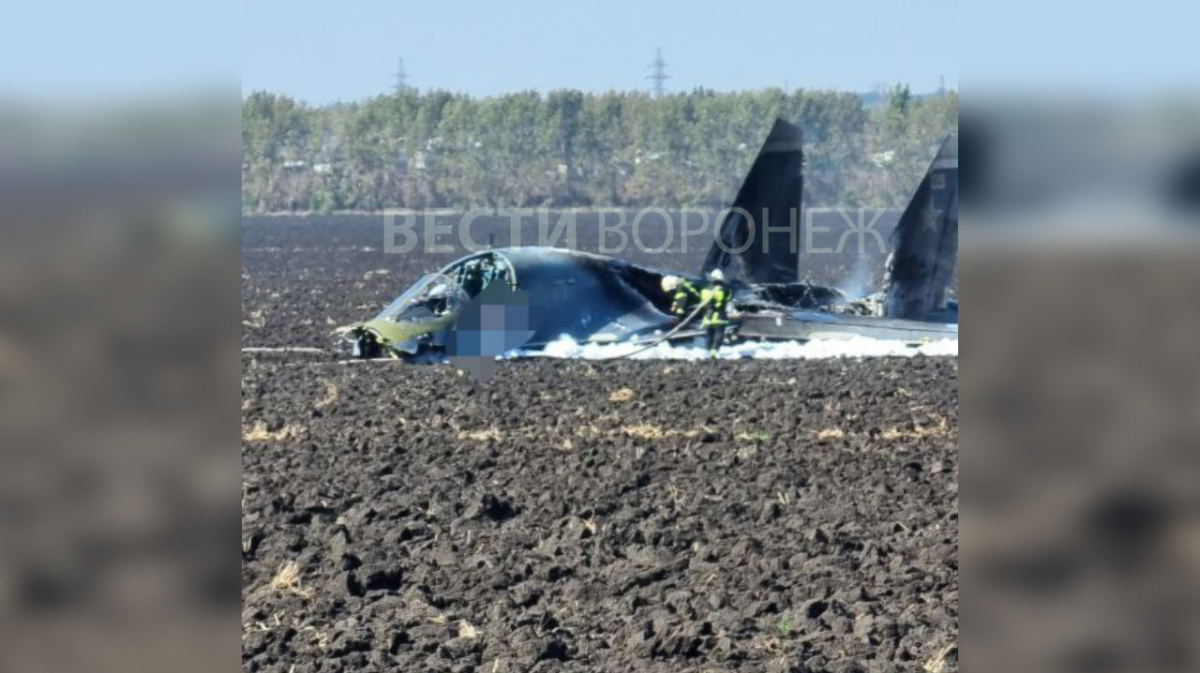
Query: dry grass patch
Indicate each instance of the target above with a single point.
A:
(831, 433)
(331, 395)
(943, 660)
(259, 433)
(256, 320)
(649, 431)
(942, 429)
(622, 395)
(747, 451)
(489, 435)
(645, 431)
(465, 630)
(287, 579)
(757, 436)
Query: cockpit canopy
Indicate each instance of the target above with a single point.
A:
(437, 295)
(432, 297)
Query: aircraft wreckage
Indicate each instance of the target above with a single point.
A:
(520, 299)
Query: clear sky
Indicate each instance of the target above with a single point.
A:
(320, 51)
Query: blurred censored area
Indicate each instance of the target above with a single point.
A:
(1080, 271)
(1079, 261)
(1081, 171)
(118, 325)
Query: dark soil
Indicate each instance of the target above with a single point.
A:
(575, 516)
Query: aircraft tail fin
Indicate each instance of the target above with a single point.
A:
(925, 243)
(768, 243)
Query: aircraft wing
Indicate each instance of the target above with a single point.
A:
(809, 325)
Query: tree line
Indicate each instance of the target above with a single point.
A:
(567, 148)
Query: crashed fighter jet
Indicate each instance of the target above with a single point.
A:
(504, 300)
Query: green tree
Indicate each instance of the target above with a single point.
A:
(439, 149)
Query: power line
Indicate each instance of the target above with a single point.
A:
(401, 76)
(658, 73)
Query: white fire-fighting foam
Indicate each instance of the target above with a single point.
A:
(852, 347)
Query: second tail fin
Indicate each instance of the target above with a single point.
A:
(925, 243)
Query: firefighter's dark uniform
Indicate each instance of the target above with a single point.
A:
(685, 299)
(716, 318)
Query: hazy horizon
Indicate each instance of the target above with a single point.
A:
(321, 54)
(867, 94)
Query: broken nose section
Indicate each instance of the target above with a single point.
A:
(366, 344)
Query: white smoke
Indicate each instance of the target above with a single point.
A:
(860, 282)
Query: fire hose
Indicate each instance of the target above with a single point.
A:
(675, 330)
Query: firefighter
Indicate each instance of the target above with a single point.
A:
(716, 296)
(684, 295)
